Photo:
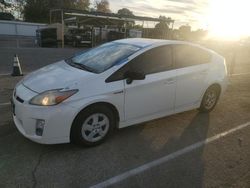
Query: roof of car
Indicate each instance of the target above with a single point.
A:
(141, 42)
(144, 42)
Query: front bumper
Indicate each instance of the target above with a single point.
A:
(58, 120)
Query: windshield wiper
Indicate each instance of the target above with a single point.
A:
(79, 65)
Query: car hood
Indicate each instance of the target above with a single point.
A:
(56, 76)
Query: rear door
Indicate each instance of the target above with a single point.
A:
(191, 65)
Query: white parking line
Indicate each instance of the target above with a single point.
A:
(166, 158)
(5, 104)
(9, 74)
(5, 74)
(240, 74)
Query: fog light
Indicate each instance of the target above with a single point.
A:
(39, 127)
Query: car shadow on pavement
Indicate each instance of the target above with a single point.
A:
(184, 171)
(190, 167)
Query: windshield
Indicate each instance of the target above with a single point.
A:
(103, 57)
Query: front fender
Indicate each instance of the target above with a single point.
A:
(117, 100)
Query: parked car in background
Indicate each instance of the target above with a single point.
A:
(115, 35)
(115, 85)
(6, 16)
(78, 37)
(46, 37)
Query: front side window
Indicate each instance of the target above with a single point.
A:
(103, 57)
(158, 59)
(187, 55)
(155, 60)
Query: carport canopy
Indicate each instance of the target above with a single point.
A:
(99, 19)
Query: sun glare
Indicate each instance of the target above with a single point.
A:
(228, 19)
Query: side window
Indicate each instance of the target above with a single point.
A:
(187, 55)
(152, 61)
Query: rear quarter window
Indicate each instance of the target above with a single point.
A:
(187, 55)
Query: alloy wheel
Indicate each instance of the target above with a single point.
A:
(95, 127)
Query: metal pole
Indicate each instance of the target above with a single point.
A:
(100, 34)
(49, 16)
(92, 37)
(125, 30)
(62, 29)
(173, 25)
(172, 30)
(17, 39)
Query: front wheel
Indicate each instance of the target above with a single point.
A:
(92, 126)
(210, 99)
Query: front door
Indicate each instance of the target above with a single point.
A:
(156, 93)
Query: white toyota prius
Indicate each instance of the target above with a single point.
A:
(115, 85)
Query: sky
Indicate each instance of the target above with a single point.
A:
(228, 19)
(183, 11)
(223, 18)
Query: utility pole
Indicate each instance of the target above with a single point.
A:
(62, 32)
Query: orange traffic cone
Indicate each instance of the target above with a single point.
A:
(17, 71)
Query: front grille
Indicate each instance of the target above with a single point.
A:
(19, 99)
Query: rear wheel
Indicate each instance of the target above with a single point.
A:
(92, 126)
(210, 99)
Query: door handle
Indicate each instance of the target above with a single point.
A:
(170, 81)
(118, 92)
(204, 72)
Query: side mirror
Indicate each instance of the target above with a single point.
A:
(134, 76)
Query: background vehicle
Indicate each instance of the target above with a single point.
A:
(117, 84)
(46, 37)
(77, 37)
(115, 35)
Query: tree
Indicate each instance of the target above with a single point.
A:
(82, 5)
(12, 7)
(164, 23)
(185, 32)
(3, 5)
(199, 34)
(125, 12)
(6, 16)
(138, 26)
(162, 28)
(102, 6)
(19, 7)
(38, 10)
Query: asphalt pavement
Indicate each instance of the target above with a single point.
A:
(133, 156)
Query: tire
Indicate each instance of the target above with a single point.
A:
(92, 126)
(210, 99)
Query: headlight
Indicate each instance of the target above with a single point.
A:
(52, 97)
